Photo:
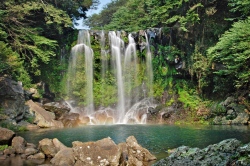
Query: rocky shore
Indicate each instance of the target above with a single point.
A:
(230, 152)
(103, 152)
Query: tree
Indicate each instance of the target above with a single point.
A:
(34, 30)
(232, 53)
(98, 21)
(241, 6)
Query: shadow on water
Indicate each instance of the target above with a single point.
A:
(158, 139)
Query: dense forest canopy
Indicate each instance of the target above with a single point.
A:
(210, 36)
(31, 33)
(222, 67)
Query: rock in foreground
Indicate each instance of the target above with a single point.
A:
(226, 153)
(103, 152)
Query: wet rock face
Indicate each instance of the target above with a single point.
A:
(71, 120)
(12, 99)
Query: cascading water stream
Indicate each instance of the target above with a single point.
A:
(130, 69)
(122, 67)
(82, 48)
(149, 66)
(104, 59)
(116, 44)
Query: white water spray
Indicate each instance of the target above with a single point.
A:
(124, 66)
(116, 44)
(149, 66)
(82, 48)
(130, 69)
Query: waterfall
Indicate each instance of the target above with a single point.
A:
(116, 44)
(130, 69)
(149, 66)
(104, 60)
(80, 50)
(120, 69)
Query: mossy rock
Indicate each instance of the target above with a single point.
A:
(218, 109)
(237, 107)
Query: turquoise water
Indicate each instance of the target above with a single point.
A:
(158, 139)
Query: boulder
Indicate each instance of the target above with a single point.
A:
(28, 125)
(138, 112)
(50, 147)
(39, 155)
(19, 144)
(124, 154)
(9, 151)
(70, 119)
(6, 136)
(238, 108)
(137, 155)
(223, 153)
(2, 157)
(12, 99)
(34, 94)
(64, 157)
(43, 118)
(228, 101)
(57, 108)
(102, 152)
(30, 151)
(101, 117)
(59, 146)
(242, 118)
(30, 145)
(47, 147)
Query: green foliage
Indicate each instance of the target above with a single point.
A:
(134, 15)
(31, 33)
(163, 62)
(241, 6)
(12, 64)
(104, 94)
(158, 87)
(12, 127)
(188, 96)
(3, 147)
(30, 119)
(232, 51)
(218, 109)
(98, 21)
(200, 66)
(124, 17)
